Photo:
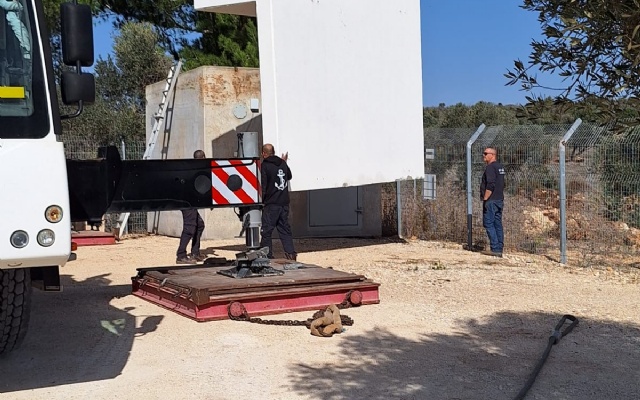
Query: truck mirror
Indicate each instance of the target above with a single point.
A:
(78, 87)
(77, 34)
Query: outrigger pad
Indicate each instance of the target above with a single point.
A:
(250, 264)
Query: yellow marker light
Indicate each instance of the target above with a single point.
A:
(53, 214)
(12, 92)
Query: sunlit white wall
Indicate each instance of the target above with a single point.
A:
(341, 87)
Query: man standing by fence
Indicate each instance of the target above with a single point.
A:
(492, 192)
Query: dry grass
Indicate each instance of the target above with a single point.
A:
(531, 221)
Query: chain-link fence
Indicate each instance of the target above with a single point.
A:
(578, 196)
(83, 149)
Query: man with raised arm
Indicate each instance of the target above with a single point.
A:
(275, 197)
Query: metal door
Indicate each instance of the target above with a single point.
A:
(339, 207)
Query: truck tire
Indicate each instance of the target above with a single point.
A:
(15, 301)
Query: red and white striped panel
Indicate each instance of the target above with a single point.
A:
(235, 181)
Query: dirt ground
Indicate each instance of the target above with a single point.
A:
(450, 325)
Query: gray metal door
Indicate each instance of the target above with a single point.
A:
(339, 207)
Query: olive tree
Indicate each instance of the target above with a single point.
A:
(594, 46)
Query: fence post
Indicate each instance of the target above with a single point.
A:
(125, 228)
(563, 190)
(399, 206)
(473, 138)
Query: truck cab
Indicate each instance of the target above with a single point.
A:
(35, 233)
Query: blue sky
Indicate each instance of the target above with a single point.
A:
(467, 46)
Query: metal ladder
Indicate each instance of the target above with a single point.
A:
(159, 116)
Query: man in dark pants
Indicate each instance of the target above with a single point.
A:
(491, 190)
(192, 228)
(275, 197)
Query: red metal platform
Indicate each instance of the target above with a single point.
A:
(200, 293)
(93, 238)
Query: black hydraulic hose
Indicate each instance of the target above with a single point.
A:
(555, 337)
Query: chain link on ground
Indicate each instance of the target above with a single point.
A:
(346, 320)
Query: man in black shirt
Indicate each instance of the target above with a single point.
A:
(491, 190)
(192, 228)
(275, 197)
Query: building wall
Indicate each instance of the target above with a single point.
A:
(204, 114)
(201, 116)
(348, 76)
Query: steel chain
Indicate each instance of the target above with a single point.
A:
(346, 320)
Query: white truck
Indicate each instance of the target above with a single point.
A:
(44, 191)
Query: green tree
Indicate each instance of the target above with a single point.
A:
(139, 62)
(200, 38)
(228, 40)
(464, 116)
(595, 46)
(457, 116)
(119, 111)
(489, 113)
(431, 117)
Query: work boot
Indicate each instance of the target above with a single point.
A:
(491, 253)
(291, 256)
(185, 260)
(198, 257)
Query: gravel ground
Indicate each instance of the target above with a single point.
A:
(450, 325)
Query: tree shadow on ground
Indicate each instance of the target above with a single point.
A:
(309, 245)
(482, 360)
(74, 336)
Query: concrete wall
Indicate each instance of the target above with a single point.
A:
(204, 114)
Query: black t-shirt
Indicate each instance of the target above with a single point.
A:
(493, 179)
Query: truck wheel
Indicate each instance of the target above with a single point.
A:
(15, 299)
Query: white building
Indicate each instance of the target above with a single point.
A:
(340, 90)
